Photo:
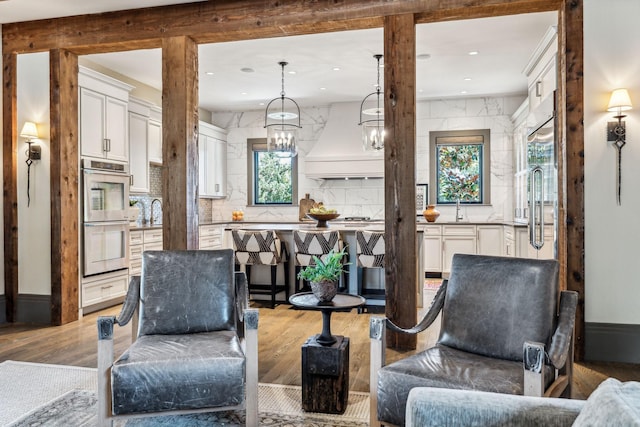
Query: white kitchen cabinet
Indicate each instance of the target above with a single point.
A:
(457, 239)
(103, 123)
(155, 136)
(212, 151)
(432, 249)
(100, 291)
(138, 164)
(140, 241)
(509, 241)
(525, 250)
(210, 237)
(541, 75)
(490, 240)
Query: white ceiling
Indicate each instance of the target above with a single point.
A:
(504, 45)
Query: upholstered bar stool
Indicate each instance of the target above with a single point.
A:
(310, 243)
(262, 247)
(370, 254)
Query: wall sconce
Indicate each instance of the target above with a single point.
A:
(616, 132)
(30, 132)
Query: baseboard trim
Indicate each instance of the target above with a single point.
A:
(33, 308)
(3, 309)
(611, 342)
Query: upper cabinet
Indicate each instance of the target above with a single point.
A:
(155, 136)
(212, 151)
(541, 73)
(138, 145)
(103, 116)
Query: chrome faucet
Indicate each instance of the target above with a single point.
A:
(152, 217)
(458, 211)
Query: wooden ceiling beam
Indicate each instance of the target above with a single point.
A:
(209, 22)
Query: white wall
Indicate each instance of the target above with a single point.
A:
(612, 232)
(34, 222)
(359, 197)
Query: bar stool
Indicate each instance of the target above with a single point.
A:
(310, 243)
(370, 254)
(262, 247)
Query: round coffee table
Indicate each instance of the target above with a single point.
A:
(341, 302)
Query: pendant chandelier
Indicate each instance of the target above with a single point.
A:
(282, 126)
(372, 117)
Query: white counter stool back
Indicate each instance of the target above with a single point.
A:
(262, 247)
(370, 254)
(310, 243)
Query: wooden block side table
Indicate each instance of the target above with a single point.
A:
(325, 376)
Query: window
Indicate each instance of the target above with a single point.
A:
(460, 168)
(272, 179)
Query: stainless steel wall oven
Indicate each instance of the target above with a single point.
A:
(105, 228)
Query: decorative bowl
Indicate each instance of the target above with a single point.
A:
(323, 218)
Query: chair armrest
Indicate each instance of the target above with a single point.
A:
(450, 407)
(378, 335)
(429, 317)
(242, 301)
(563, 335)
(251, 317)
(131, 302)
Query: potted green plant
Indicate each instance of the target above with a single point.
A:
(324, 275)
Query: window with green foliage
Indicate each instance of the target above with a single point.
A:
(272, 179)
(460, 167)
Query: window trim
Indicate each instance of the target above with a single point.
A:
(260, 144)
(486, 163)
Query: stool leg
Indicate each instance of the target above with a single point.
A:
(286, 280)
(274, 276)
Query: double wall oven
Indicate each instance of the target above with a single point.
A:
(105, 228)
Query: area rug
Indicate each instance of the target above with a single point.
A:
(279, 405)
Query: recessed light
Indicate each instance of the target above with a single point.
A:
(243, 93)
(336, 68)
(261, 104)
(463, 92)
(209, 73)
(467, 79)
(473, 52)
(323, 88)
(420, 90)
(247, 70)
(291, 72)
(423, 56)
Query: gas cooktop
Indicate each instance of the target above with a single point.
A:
(357, 218)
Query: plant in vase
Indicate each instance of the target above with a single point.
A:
(324, 275)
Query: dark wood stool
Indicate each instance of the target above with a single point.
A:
(325, 376)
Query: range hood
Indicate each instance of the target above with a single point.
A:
(338, 153)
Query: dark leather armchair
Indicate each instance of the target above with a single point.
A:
(195, 344)
(502, 331)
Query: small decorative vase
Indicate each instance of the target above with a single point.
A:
(431, 213)
(324, 290)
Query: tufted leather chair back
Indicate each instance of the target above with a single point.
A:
(493, 304)
(183, 292)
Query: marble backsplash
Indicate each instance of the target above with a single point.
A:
(360, 197)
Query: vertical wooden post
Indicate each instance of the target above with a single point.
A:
(180, 143)
(64, 186)
(399, 174)
(572, 99)
(10, 181)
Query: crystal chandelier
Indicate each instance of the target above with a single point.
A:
(373, 121)
(282, 129)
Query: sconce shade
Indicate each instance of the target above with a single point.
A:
(619, 101)
(29, 131)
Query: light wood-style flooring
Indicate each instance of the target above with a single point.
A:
(282, 331)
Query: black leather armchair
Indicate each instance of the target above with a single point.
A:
(502, 331)
(195, 344)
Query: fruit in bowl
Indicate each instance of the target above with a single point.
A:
(322, 215)
(237, 215)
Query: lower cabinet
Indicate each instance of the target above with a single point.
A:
(457, 239)
(525, 250)
(140, 241)
(101, 291)
(210, 237)
(432, 249)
